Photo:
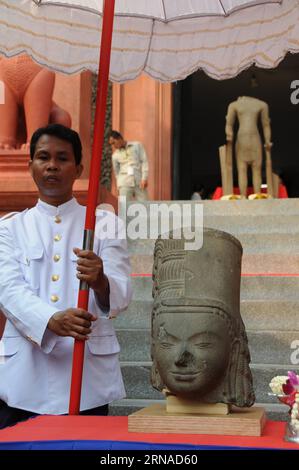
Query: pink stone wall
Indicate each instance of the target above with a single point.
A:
(142, 110)
(73, 93)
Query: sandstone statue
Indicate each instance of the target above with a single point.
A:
(199, 344)
(249, 149)
(28, 89)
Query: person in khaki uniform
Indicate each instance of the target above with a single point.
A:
(130, 166)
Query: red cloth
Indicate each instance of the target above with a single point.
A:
(115, 428)
(282, 192)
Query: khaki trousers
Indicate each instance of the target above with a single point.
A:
(133, 193)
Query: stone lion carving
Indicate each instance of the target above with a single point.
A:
(28, 91)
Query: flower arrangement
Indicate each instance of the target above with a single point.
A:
(286, 388)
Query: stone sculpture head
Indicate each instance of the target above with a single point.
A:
(199, 344)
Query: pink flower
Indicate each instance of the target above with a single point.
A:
(287, 388)
(293, 378)
(288, 399)
(291, 387)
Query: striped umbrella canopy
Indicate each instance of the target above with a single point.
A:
(166, 39)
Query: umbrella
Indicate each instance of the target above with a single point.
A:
(166, 39)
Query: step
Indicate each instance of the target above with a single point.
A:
(259, 263)
(276, 217)
(252, 287)
(136, 377)
(280, 224)
(253, 243)
(234, 208)
(270, 347)
(137, 380)
(257, 207)
(271, 263)
(257, 315)
(280, 315)
(270, 287)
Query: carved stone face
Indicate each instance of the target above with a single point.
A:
(191, 351)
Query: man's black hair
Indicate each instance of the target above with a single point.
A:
(115, 135)
(61, 132)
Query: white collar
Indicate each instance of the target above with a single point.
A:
(64, 209)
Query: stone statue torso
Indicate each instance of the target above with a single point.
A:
(248, 142)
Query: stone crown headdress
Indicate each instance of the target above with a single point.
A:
(209, 276)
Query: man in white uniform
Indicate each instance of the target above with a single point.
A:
(41, 263)
(130, 165)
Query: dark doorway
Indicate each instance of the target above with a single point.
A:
(200, 105)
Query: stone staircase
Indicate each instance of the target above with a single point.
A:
(269, 233)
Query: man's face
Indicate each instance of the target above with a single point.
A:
(54, 169)
(116, 144)
(191, 351)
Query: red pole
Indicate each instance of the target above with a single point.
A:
(94, 182)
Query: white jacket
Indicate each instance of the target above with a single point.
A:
(35, 364)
